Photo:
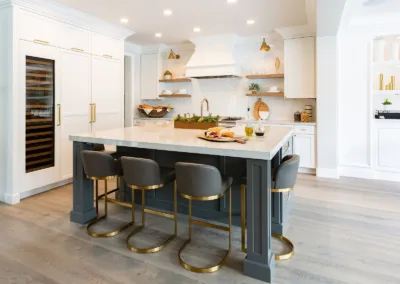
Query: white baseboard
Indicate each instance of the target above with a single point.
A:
(327, 173)
(11, 199)
(368, 173)
(307, 171)
(44, 188)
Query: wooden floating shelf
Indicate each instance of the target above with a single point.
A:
(39, 120)
(39, 141)
(39, 106)
(176, 96)
(177, 80)
(39, 154)
(38, 168)
(39, 75)
(34, 127)
(39, 134)
(33, 61)
(37, 82)
(265, 76)
(39, 88)
(49, 69)
(31, 163)
(280, 94)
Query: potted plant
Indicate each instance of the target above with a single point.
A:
(167, 75)
(386, 104)
(254, 88)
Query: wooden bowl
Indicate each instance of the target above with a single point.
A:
(154, 113)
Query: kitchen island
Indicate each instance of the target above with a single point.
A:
(167, 145)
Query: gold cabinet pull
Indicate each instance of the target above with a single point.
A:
(107, 56)
(94, 113)
(59, 114)
(77, 49)
(41, 41)
(91, 113)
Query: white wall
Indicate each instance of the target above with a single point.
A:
(327, 106)
(5, 90)
(227, 96)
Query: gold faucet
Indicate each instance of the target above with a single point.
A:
(201, 106)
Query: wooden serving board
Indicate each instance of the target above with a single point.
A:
(194, 125)
(259, 106)
(222, 139)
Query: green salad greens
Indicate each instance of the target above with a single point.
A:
(196, 118)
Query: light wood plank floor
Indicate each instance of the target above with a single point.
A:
(345, 231)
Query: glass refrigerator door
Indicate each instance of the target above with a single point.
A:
(40, 114)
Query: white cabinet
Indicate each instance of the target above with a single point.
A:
(304, 146)
(106, 46)
(149, 76)
(74, 38)
(107, 87)
(388, 141)
(75, 88)
(37, 28)
(300, 67)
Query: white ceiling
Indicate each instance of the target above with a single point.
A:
(214, 17)
(375, 12)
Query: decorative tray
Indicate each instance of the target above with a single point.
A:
(219, 139)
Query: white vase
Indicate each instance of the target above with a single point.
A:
(168, 77)
(386, 107)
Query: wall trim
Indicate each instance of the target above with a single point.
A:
(368, 173)
(59, 12)
(328, 173)
(35, 191)
(307, 171)
(11, 199)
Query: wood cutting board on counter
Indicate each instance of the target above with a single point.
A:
(262, 107)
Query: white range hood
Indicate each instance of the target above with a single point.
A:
(213, 57)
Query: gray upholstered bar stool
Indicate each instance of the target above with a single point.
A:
(284, 180)
(101, 166)
(203, 182)
(145, 174)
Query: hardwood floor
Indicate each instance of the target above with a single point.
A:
(344, 231)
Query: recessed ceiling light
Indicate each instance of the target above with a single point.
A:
(231, 1)
(158, 34)
(250, 22)
(124, 20)
(167, 12)
(196, 29)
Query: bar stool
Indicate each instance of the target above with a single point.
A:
(145, 174)
(203, 182)
(284, 180)
(101, 166)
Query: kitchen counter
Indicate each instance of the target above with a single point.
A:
(168, 138)
(267, 213)
(278, 122)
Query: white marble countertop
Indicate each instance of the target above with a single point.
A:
(278, 122)
(167, 138)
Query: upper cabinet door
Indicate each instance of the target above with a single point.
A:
(74, 38)
(149, 72)
(300, 68)
(39, 29)
(107, 46)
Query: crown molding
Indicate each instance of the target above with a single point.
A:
(59, 12)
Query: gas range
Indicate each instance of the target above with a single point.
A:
(229, 121)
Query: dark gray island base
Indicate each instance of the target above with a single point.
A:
(266, 213)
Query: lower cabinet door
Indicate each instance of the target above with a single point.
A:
(304, 146)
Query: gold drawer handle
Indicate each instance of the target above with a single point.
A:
(77, 49)
(41, 41)
(59, 115)
(108, 56)
(91, 113)
(94, 113)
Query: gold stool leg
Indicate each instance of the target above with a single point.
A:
(222, 262)
(243, 229)
(98, 219)
(140, 228)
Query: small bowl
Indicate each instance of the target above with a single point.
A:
(259, 133)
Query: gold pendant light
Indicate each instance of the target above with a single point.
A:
(265, 46)
(173, 55)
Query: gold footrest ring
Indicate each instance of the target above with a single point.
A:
(209, 269)
(146, 250)
(104, 235)
(288, 243)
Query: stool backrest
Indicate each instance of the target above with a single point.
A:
(140, 172)
(98, 164)
(286, 173)
(98, 147)
(198, 179)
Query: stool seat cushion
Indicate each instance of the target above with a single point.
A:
(167, 175)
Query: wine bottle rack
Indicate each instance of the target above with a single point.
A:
(40, 114)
